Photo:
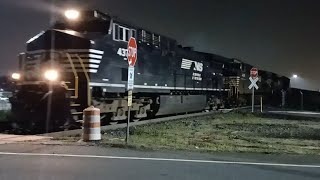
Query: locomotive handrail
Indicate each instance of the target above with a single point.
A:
(76, 89)
(88, 79)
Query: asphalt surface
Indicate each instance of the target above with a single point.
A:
(285, 113)
(309, 114)
(51, 162)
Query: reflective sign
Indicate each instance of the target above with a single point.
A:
(129, 98)
(253, 83)
(130, 84)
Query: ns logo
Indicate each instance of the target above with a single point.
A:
(186, 64)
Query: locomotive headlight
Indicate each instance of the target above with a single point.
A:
(72, 14)
(51, 75)
(16, 76)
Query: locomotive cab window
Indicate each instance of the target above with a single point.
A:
(121, 33)
(145, 37)
(148, 38)
(156, 40)
(133, 33)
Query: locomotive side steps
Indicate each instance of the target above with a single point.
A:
(78, 102)
(76, 79)
(87, 79)
(78, 114)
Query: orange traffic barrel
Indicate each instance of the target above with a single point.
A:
(91, 124)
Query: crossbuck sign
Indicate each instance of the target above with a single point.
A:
(253, 79)
(253, 83)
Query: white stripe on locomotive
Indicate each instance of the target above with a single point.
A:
(95, 84)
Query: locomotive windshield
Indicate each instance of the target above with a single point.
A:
(86, 21)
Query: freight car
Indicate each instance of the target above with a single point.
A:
(82, 60)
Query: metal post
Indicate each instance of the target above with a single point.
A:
(261, 104)
(49, 103)
(128, 120)
(283, 99)
(252, 110)
(128, 125)
(52, 44)
(301, 102)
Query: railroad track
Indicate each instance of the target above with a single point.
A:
(137, 123)
(6, 128)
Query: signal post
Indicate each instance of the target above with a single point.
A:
(253, 79)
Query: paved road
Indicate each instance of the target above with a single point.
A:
(279, 111)
(89, 162)
(298, 113)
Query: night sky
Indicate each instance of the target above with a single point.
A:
(282, 36)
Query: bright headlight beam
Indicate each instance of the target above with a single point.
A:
(15, 76)
(51, 75)
(72, 14)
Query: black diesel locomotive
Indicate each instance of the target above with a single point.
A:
(82, 61)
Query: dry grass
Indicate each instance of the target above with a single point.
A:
(231, 132)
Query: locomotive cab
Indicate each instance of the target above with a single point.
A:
(55, 72)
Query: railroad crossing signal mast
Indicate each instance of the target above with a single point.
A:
(132, 58)
(253, 79)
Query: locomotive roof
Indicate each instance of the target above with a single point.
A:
(216, 57)
(125, 22)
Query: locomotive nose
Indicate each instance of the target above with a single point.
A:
(46, 59)
(58, 39)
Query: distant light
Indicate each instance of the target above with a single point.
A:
(51, 75)
(295, 76)
(16, 76)
(72, 14)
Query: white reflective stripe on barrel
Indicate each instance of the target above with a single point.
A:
(91, 134)
(92, 118)
(91, 124)
(92, 131)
